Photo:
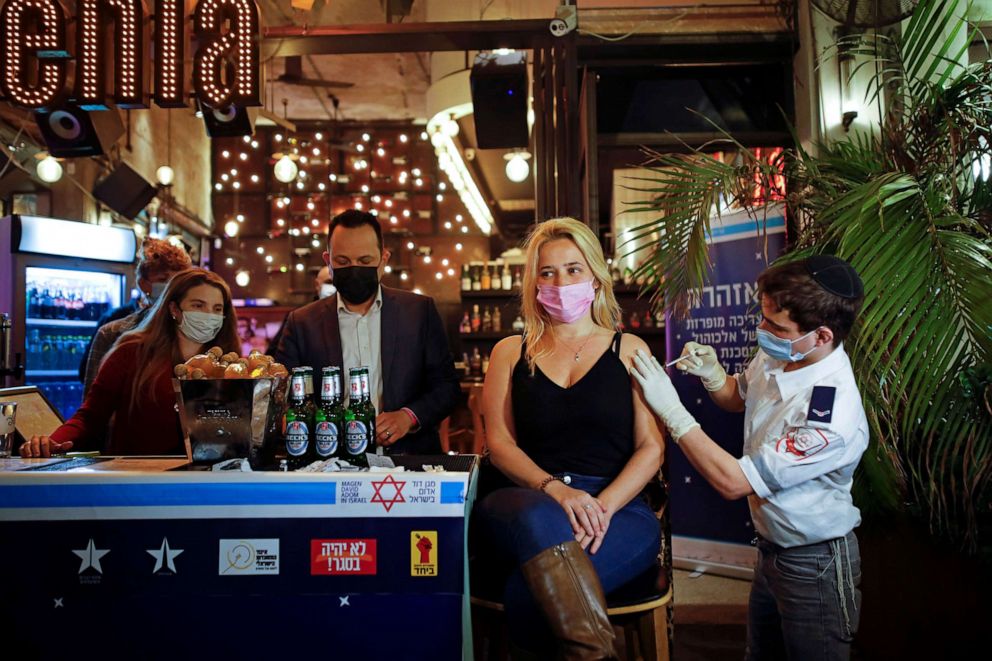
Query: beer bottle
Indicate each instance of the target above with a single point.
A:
(299, 423)
(311, 397)
(369, 409)
(359, 418)
(329, 415)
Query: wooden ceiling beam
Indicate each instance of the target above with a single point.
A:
(288, 40)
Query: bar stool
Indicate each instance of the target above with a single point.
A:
(641, 608)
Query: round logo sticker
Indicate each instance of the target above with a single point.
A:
(297, 436)
(356, 437)
(326, 435)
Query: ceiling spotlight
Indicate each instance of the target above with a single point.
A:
(403, 138)
(229, 261)
(231, 228)
(458, 246)
(517, 167)
(242, 278)
(285, 169)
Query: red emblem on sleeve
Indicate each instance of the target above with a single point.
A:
(802, 443)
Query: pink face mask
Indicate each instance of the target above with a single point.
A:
(566, 303)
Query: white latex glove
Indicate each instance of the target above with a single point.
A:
(660, 395)
(704, 364)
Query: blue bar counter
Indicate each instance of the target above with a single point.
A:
(134, 561)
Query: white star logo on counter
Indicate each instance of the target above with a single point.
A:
(344, 602)
(164, 555)
(688, 479)
(90, 557)
(58, 602)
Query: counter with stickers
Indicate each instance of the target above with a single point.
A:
(157, 563)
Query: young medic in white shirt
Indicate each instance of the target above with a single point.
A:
(804, 433)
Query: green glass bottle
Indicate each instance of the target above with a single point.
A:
(299, 424)
(359, 418)
(329, 417)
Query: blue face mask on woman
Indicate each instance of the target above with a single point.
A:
(780, 348)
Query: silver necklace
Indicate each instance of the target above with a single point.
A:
(581, 347)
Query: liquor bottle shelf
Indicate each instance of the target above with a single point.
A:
(488, 335)
(491, 293)
(65, 323)
(645, 332)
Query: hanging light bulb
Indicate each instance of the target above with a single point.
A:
(285, 170)
(517, 167)
(49, 170)
(450, 127)
(165, 175)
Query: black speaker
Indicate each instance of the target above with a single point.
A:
(499, 100)
(125, 191)
(230, 122)
(71, 132)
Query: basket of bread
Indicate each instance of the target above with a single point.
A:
(230, 406)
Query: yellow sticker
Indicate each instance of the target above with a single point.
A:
(423, 553)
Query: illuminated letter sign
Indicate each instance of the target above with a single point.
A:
(128, 17)
(33, 50)
(32, 30)
(170, 48)
(225, 70)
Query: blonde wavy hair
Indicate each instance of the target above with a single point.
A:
(538, 329)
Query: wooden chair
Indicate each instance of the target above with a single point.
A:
(641, 609)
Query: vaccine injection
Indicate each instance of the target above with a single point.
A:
(692, 354)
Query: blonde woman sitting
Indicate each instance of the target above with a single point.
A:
(565, 422)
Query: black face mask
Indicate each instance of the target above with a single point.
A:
(356, 284)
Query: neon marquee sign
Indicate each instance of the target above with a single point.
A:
(35, 58)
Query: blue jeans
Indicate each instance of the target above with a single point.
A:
(805, 602)
(519, 523)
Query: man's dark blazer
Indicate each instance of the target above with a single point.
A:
(418, 371)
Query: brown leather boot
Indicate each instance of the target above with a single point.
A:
(567, 590)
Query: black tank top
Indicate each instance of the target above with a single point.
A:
(586, 429)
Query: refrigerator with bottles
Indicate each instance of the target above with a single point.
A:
(57, 279)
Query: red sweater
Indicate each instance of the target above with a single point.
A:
(151, 428)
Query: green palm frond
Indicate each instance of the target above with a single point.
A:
(903, 204)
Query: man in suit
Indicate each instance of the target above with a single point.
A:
(397, 334)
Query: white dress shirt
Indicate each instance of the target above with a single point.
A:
(799, 455)
(361, 345)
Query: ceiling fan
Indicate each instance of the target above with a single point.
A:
(293, 75)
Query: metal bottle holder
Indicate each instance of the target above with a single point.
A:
(231, 418)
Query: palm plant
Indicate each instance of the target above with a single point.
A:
(905, 204)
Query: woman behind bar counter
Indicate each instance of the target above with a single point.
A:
(565, 422)
(134, 384)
